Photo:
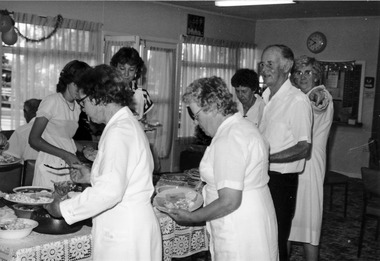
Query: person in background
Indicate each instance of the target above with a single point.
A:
(246, 84)
(286, 125)
(119, 199)
(18, 142)
(54, 127)
(128, 61)
(307, 221)
(238, 207)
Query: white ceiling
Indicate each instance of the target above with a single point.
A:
(301, 9)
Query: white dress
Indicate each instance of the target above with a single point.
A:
(237, 158)
(307, 221)
(59, 132)
(125, 226)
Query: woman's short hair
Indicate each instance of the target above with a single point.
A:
(306, 61)
(71, 73)
(210, 94)
(128, 55)
(245, 78)
(105, 84)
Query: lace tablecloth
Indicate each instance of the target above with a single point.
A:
(181, 241)
(36, 247)
(177, 241)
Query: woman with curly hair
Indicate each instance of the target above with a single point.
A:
(238, 207)
(124, 223)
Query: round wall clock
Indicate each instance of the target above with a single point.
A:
(316, 42)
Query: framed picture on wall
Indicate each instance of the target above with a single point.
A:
(195, 25)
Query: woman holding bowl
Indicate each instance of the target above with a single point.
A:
(238, 207)
(124, 223)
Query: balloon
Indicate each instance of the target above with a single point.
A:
(10, 37)
(6, 23)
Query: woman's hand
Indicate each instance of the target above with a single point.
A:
(53, 208)
(182, 217)
(71, 159)
(81, 174)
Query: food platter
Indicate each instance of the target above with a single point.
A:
(179, 198)
(32, 189)
(34, 198)
(6, 160)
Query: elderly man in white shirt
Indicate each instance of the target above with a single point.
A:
(286, 124)
(18, 142)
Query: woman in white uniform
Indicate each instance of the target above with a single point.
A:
(238, 206)
(125, 226)
(54, 127)
(307, 221)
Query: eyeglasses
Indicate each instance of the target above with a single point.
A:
(193, 116)
(196, 115)
(299, 74)
(81, 101)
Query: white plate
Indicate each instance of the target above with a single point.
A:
(175, 195)
(32, 189)
(90, 153)
(27, 198)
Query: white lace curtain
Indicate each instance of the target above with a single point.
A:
(205, 57)
(36, 65)
(160, 81)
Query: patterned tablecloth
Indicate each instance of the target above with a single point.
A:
(36, 247)
(177, 241)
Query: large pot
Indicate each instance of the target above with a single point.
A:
(50, 225)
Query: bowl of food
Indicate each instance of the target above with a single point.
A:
(24, 211)
(18, 228)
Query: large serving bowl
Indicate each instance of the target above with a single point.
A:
(24, 211)
(51, 225)
(19, 233)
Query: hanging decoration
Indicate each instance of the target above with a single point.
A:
(338, 66)
(10, 33)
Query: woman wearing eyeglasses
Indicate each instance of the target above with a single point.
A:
(55, 125)
(238, 207)
(307, 221)
(125, 226)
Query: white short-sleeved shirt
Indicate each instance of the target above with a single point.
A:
(254, 113)
(19, 145)
(287, 120)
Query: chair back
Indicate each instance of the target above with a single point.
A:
(371, 181)
(28, 172)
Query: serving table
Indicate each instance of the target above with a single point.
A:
(177, 242)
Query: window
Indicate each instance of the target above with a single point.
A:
(35, 65)
(203, 57)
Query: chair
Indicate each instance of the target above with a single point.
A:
(10, 177)
(371, 201)
(333, 179)
(28, 172)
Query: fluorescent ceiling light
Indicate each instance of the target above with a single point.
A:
(251, 2)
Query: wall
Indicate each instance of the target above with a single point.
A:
(138, 18)
(347, 39)
(143, 19)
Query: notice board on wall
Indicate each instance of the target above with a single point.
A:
(346, 88)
